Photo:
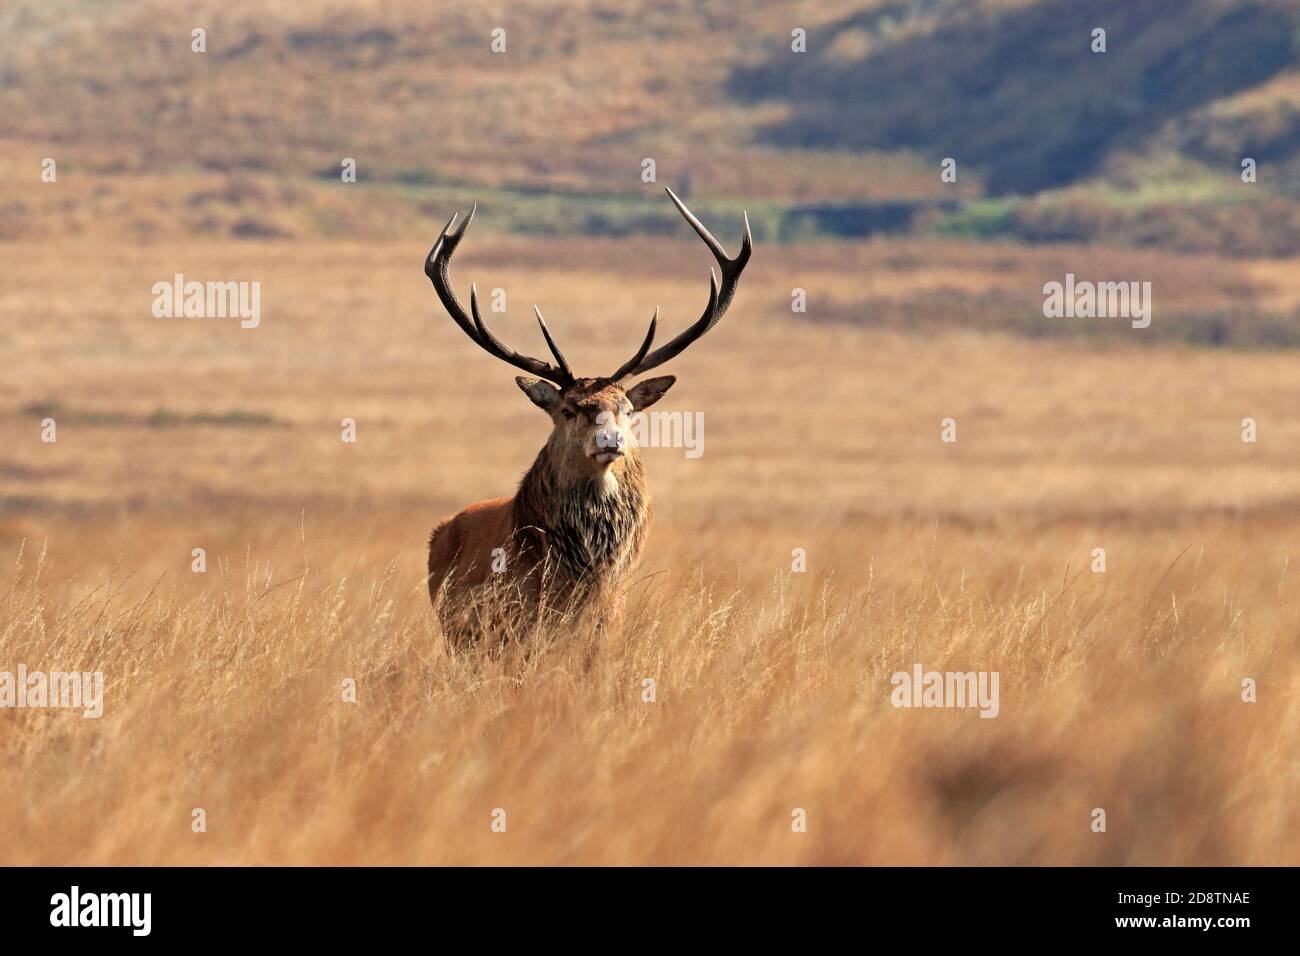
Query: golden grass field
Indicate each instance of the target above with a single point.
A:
(1118, 690)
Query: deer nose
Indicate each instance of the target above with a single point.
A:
(610, 439)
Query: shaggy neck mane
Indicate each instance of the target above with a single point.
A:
(592, 524)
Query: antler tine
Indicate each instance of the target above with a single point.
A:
(698, 226)
(555, 349)
(485, 336)
(494, 346)
(451, 239)
(430, 261)
(719, 296)
(436, 267)
(473, 208)
(626, 368)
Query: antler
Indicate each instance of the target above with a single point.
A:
(719, 299)
(436, 266)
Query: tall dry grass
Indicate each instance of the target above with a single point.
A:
(1118, 690)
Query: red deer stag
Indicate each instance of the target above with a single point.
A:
(569, 538)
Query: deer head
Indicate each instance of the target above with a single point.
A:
(591, 416)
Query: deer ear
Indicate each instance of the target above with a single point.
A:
(646, 393)
(543, 394)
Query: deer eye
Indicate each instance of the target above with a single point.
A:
(568, 414)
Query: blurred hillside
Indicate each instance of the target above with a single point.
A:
(1140, 145)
